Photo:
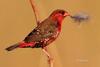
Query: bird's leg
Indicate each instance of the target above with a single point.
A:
(35, 12)
(50, 59)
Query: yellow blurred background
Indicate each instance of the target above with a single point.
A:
(77, 46)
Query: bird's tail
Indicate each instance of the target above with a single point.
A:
(10, 48)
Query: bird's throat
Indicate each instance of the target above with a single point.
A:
(59, 20)
(59, 26)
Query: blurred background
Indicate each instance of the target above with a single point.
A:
(77, 46)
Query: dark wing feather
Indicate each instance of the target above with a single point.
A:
(44, 30)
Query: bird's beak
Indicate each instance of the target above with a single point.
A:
(66, 14)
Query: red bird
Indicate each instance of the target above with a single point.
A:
(45, 32)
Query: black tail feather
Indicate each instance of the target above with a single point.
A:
(10, 48)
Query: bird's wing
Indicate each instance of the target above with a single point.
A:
(33, 36)
(45, 30)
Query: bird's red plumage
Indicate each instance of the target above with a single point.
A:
(46, 32)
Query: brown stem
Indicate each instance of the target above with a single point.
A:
(35, 12)
(50, 59)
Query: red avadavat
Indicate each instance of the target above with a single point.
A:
(45, 32)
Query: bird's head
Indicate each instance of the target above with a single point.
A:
(59, 15)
